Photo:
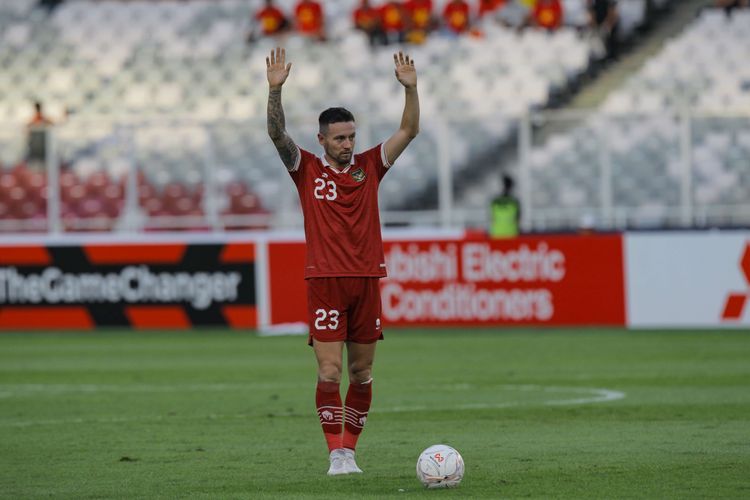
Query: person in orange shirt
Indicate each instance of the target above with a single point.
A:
(394, 21)
(547, 14)
(456, 16)
(421, 19)
(308, 15)
(269, 21)
(367, 19)
(421, 15)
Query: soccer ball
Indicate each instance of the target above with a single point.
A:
(440, 466)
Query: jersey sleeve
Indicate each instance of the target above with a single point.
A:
(296, 171)
(380, 160)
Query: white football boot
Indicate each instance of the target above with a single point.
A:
(338, 463)
(350, 465)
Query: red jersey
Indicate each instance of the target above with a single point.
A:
(309, 17)
(456, 16)
(342, 220)
(366, 18)
(487, 6)
(421, 13)
(392, 17)
(548, 14)
(271, 20)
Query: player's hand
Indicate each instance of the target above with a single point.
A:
(277, 70)
(405, 72)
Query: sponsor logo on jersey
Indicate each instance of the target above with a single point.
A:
(358, 175)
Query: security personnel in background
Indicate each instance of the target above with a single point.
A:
(505, 212)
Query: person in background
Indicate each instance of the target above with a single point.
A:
(49, 5)
(604, 17)
(730, 5)
(36, 137)
(505, 212)
(309, 19)
(490, 6)
(421, 19)
(394, 21)
(367, 19)
(456, 17)
(547, 14)
(268, 21)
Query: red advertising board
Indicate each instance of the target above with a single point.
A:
(433, 280)
(533, 280)
(287, 291)
(550, 280)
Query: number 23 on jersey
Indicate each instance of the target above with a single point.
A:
(325, 190)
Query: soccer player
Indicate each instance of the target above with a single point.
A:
(338, 193)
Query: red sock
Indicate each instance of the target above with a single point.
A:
(358, 399)
(330, 413)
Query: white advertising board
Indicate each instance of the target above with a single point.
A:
(696, 279)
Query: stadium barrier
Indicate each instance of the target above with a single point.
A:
(163, 283)
(672, 168)
(688, 279)
(255, 281)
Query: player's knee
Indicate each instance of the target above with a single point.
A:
(329, 372)
(359, 374)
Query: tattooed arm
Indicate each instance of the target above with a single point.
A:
(409, 128)
(277, 72)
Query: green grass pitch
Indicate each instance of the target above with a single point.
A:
(535, 413)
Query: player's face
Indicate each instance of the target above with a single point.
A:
(338, 142)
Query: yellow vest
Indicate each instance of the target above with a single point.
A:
(504, 223)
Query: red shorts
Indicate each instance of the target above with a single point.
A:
(344, 309)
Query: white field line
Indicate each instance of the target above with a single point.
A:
(585, 395)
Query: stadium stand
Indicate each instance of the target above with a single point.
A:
(170, 88)
(179, 77)
(701, 71)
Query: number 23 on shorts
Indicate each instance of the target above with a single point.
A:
(326, 320)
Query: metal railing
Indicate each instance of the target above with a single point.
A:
(677, 169)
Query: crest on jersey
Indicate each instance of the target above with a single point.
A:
(358, 175)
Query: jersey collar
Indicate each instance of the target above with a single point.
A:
(324, 160)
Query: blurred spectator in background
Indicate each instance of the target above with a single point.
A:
(730, 5)
(547, 14)
(50, 5)
(456, 17)
(268, 21)
(505, 212)
(489, 6)
(36, 138)
(309, 19)
(421, 20)
(605, 19)
(394, 21)
(367, 20)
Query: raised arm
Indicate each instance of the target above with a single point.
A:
(277, 72)
(409, 128)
